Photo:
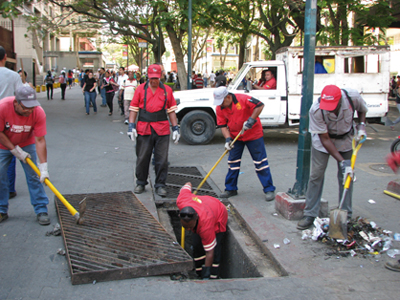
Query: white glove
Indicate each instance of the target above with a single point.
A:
(228, 145)
(20, 154)
(44, 173)
(175, 134)
(132, 133)
(361, 135)
(346, 169)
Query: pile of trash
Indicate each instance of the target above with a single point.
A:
(364, 238)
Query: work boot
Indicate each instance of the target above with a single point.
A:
(161, 191)
(228, 194)
(269, 196)
(3, 217)
(43, 218)
(12, 195)
(139, 189)
(393, 265)
(305, 223)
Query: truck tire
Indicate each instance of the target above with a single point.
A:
(197, 127)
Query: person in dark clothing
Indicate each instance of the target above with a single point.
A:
(221, 79)
(63, 84)
(49, 80)
(89, 90)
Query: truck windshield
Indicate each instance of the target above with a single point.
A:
(238, 76)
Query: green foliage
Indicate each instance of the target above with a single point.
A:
(9, 9)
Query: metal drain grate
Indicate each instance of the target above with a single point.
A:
(119, 239)
(178, 176)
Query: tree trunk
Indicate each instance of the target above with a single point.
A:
(180, 64)
(242, 50)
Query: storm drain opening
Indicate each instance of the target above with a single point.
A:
(243, 255)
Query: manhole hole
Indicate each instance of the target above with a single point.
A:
(178, 176)
(242, 255)
(383, 168)
(119, 239)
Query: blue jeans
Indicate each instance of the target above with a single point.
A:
(259, 155)
(205, 82)
(90, 97)
(103, 96)
(11, 174)
(38, 196)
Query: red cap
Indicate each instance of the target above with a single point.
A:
(330, 97)
(154, 71)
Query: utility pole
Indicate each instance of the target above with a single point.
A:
(304, 142)
(189, 69)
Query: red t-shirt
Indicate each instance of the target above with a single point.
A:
(212, 215)
(270, 84)
(21, 130)
(235, 116)
(154, 103)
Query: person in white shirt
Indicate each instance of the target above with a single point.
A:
(121, 77)
(128, 86)
(205, 78)
(212, 79)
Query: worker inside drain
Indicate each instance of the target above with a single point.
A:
(206, 217)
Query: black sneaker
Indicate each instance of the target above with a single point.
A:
(228, 194)
(12, 195)
(43, 218)
(3, 217)
(139, 189)
(305, 223)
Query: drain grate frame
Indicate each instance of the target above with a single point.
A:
(178, 176)
(119, 239)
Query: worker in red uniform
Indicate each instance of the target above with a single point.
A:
(239, 113)
(206, 217)
(153, 104)
(269, 82)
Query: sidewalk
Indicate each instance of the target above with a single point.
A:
(92, 154)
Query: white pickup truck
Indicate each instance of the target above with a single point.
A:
(365, 69)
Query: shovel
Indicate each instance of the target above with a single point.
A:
(338, 216)
(204, 180)
(82, 205)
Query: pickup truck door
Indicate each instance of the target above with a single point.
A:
(271, 113)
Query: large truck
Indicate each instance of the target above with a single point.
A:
(364, 68)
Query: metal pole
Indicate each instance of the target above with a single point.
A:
(304, 142)
(189, 69)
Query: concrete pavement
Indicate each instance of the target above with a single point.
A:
(92, 154)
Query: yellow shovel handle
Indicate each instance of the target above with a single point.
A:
(353, 161)
(71, 209)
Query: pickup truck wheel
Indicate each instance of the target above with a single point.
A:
(197, 127)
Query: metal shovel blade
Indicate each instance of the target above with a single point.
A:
(82, 209)
(338, 224)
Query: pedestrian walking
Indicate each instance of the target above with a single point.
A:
(63, 84)
(153, 104)
(89, 90)
(109, 83)
(205, 78)
(24, 111)
(70, 78)
(100, 85)
(238, 113)
(121, 78)
(128, 86)
(49, 80)
(332, 128)
(212, 79)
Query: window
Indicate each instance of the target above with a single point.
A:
(362, 64)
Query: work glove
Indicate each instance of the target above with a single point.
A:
(205, 272)
(346, 169)
(228, 145)
(361, 134)
(175, 134)
(132, 133)
(20, 154)
(248, 124)
(44, 173)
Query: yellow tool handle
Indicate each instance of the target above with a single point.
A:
(353, 162)
(391, 194)
(71, 209)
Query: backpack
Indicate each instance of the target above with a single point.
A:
(49, 80)
(61, 79)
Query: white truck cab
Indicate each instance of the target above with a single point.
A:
(365, 69)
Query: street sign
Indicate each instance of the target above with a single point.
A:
(142, 44)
